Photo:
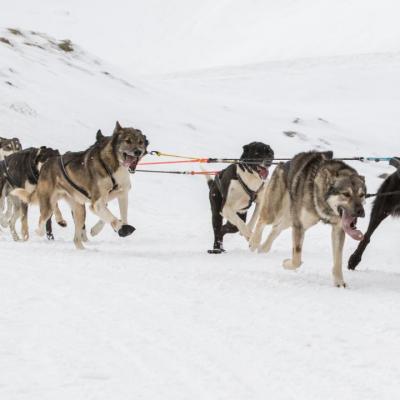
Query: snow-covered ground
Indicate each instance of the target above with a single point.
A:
(153, 315)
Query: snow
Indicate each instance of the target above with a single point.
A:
(153, 315)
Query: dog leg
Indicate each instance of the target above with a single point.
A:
(96, 229)
(254, 217)
(99, 207)
(297, 239)
(234, 219)
(275, 232)
(24, 221)
(78, 213)
(377, 216)
(5, 218)
(58, 216)
(49, 229)
(338, 237)
(16, 212)
(216, 205)
(256, 236)
(46, 211)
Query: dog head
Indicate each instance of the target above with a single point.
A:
(130, 145)
(43, 154)
(259, 156)
(9, 146)
(346, 197)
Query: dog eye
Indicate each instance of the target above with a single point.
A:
(140, 142)
(346, 194)
(129, 141)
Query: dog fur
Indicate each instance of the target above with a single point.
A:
(384, 205)
(312, 187)
(87, 177)
(233, 191)
(21, 170)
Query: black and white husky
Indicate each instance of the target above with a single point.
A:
(235, 189)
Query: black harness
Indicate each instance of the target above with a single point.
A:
(7, 174)
(34, 173)
(80, 189)
(251, 193)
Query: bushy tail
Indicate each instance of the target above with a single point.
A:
(208, 177)
(25, 196)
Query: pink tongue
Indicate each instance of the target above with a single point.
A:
(129, 160)
(354, 233)
(263, 172)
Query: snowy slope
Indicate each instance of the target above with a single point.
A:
(161, 36)
(153, 316)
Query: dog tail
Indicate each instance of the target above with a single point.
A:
(208, 177)
(25, 196)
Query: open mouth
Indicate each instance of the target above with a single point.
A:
(262, 172)
(349, 224)
(130, 162)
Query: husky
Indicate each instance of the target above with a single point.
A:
(386, 203)
(95, 176)
(235, 189)
(312, 187)
(100, 138)
(22, 170)
(9, 146)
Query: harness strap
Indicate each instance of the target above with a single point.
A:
(104, 165)
(7, 173)
(251, 193)
(34, 171)
(382, 194)
(70, 181)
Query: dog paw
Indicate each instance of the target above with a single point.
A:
(40, 232)
(25, 236)
(15, 237)
(264, 249)
(84, 236)
(340, 283)
(253, 244)
(353, 262)
(289, 264)
(216, 251)
(126, 230)
(50, 236)
(62, 223)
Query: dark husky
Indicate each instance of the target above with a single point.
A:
(21, 170)
(7, 147)
(234, 190)
(312, 187)
(384, 205)
(96, 176)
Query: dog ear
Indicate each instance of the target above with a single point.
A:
(328, 155)
(118, 127)
(99, 135)
(146, 142)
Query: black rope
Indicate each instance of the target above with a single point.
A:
(382, 194)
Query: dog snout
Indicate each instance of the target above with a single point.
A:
(360, 211)
(137, 152)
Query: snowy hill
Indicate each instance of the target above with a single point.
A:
(163, 36)
(154, 316)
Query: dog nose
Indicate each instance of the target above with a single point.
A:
(137, 153)
(360, 211)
